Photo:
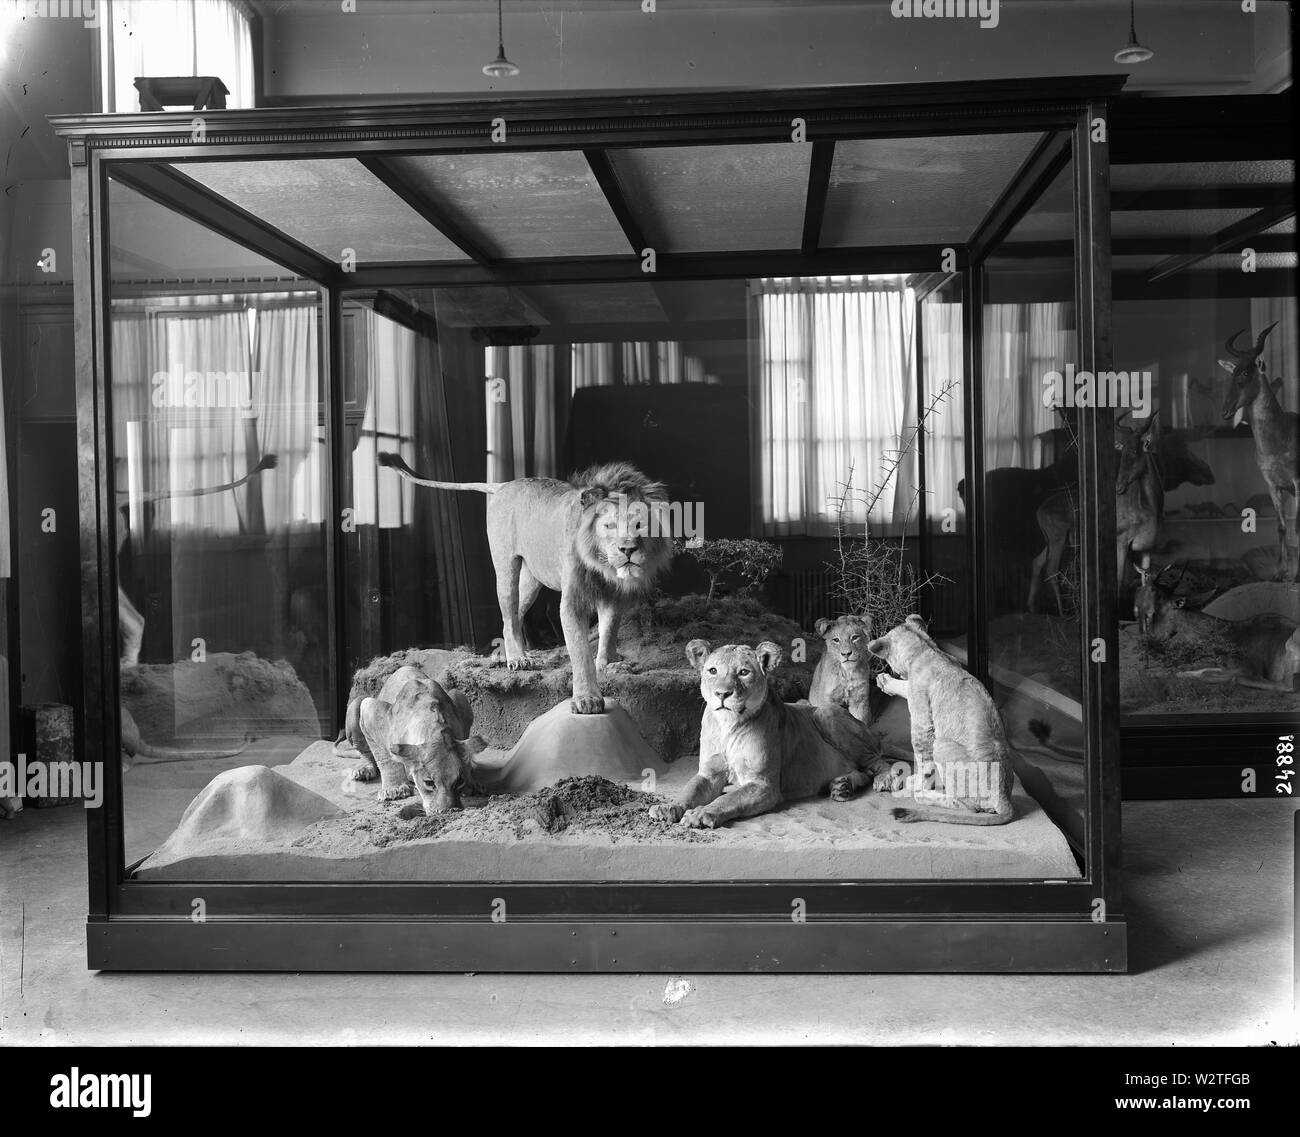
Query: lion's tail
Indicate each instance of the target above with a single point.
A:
(954, 816)
(398, 463)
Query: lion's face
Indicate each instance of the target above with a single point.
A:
(846, 639)
(620, 538)
(899, 646)
(733, 678)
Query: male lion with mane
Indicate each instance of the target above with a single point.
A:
(594, 539)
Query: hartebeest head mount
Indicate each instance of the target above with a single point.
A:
(1246, 370)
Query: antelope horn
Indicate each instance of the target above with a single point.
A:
(1259, 343)
(1230, 344)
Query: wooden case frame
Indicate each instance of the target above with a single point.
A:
(869, 925)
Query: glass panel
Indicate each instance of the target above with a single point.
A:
(706, 198)
(781, 417)
(899, 191)
(1031, 480)
(942, 400)
(220, 477)
(1211, 630)
(328, 204)
(522, 205)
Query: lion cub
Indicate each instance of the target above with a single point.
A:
(768, 750)
(963, 762)
(843, 675)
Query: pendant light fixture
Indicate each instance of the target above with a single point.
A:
(1132, 52)
(500, 67)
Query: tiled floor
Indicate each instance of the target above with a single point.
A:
(1208, 889)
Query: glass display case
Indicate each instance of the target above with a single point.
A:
(600, 533)
(1204, 272)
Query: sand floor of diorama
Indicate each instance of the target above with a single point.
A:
(819, 838)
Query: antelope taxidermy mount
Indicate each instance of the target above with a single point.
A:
(1274, 431)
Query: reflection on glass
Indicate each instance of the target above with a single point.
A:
(808, 433)
(942, 401)
(219, 472)
(1211, 629)
(1031, 479)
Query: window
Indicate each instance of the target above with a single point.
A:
(175, 37)
(834, 374)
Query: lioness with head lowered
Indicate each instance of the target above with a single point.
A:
(769, 751)
(414, 736)
(597, 540)
(963, 763)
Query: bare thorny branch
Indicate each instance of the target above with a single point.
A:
(873, 578)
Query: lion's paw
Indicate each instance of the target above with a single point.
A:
(698, 818)
(613, 665)
(395, 795)
(587, 705)
(364, 773)
(668, 811)
(841, 788)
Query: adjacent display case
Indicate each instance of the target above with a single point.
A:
(1204, 271)
(812, 332)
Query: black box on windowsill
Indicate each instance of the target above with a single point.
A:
(202, 92)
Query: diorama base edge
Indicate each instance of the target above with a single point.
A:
(866, 946)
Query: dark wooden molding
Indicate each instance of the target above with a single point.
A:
(168, 187)
(607, 177)
(1210, 128)
(669, 266)
(624, 119)
(432, 212)
(1205, 285)
(1203, 197)
(819, 181)
(1036, 173)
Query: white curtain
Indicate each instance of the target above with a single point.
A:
(264, 348)
(661, 362)
(287, 409)
(943, 349)
(834, 386)
(387, 423)
(175, 37)
(521, 412)
(1022, 344)
(592, 365)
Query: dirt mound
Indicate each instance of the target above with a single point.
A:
(586, 805)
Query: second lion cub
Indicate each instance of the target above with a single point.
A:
(963, 763)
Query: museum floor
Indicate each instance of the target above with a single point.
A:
(1208, 897)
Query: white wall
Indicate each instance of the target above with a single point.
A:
(317, 49)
